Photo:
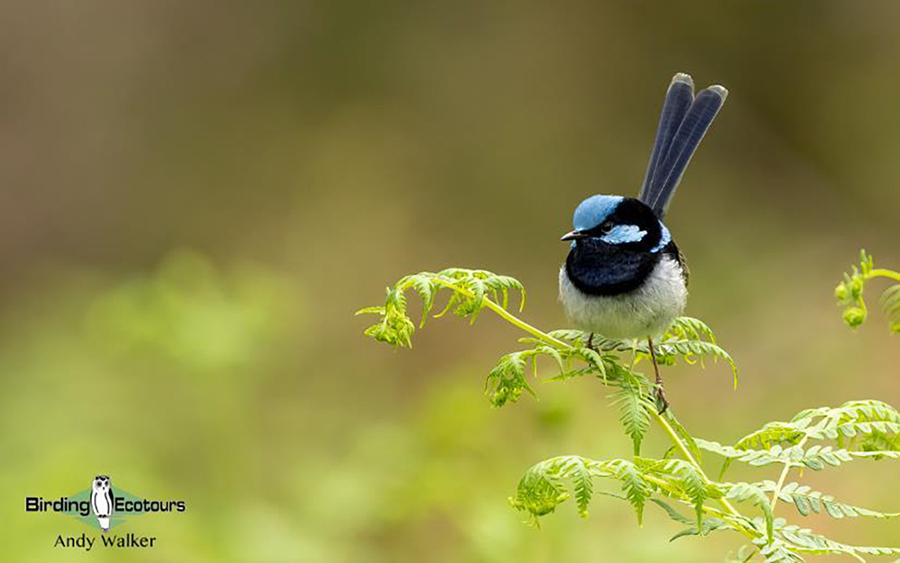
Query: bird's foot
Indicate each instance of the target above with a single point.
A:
(659, 397)
(659, 393)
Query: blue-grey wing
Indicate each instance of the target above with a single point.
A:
(669, 169)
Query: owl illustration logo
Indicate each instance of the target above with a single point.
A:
(102, 500)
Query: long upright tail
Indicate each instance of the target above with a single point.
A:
(682, 125)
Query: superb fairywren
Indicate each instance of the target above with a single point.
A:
(624, 276)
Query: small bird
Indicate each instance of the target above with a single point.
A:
(624, 276)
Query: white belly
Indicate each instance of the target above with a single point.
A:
(646, 311)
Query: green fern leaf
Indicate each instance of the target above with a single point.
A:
(685, 436)
(686, 480)
(539, 492)
(583, 486)
(695, 350)
(635, 487)
(691, 329)
(754, 495)
(506, 382)
(808, 501)
(708, 525)
(890, 305)
(633, 406)
(806, 541)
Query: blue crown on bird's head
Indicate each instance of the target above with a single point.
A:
(594, 210)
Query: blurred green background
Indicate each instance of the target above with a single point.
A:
(197, 196)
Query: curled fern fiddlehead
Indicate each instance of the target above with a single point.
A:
(849, 293)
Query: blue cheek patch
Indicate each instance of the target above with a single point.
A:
(664, 238)
(622, 234)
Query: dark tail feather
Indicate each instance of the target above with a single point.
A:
(697, 121)
(678, 100)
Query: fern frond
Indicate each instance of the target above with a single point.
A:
(506, 382)
(583, 485)
(816, 457)
(863, 425)
(849, 294)
(684, 435)
(806, 500)
(572, 336)
(695, 350)
(690, 328)
(540, 490)
(634, 406)
(773, 433)
(864, 411)
(469, 290)
(775, 454)
(806, 541)
(890, 306)
(756, 496)
(690, 339)
(708, 525)
(687, 480)
(543, 488)
(636, 488)
(673, 513)
(858, 429)
(775, 550)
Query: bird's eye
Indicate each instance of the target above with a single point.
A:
(606, 226)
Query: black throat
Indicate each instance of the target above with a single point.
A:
(598, 268)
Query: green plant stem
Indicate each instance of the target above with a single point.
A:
(507, 316)
(732, 516)
(676, 440)
(884, 273)
(784, 473)
(682, 447)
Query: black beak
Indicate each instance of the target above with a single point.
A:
(574, 235)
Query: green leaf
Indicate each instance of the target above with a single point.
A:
(806, 541)
(468, 290)
(890, 306)
(673, 514)
(634, 411)
(708, 525)
(506, 382)
(809, 501)
(849, 294)
(684, 435)
(747, 492)
(542, 488)
(683, 478)
(635, 487)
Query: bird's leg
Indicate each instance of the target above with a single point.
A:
(659, 394)
(590, 342)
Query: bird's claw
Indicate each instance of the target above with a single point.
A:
(659, 397)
